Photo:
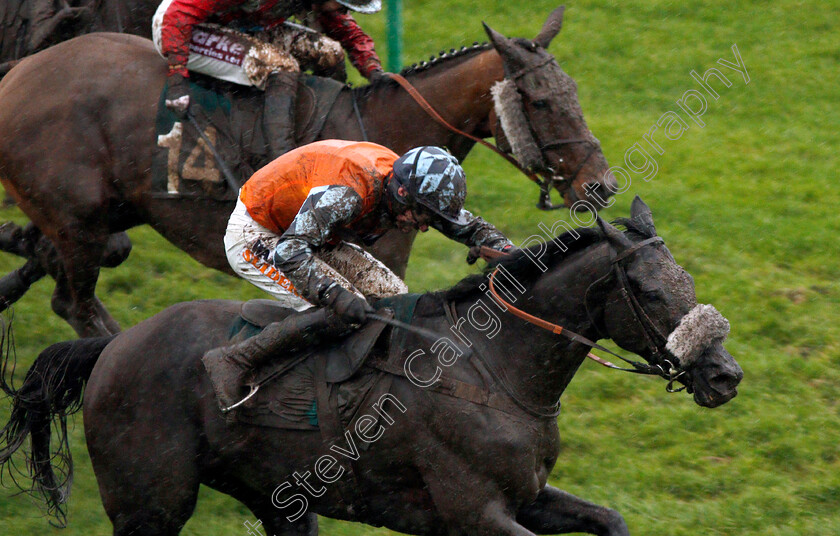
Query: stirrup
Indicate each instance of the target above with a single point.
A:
(254, 389)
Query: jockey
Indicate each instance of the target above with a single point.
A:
(289, 234)
(249, 42)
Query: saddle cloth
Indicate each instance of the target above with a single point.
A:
(231, 117)
(333, 375)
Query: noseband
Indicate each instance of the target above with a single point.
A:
(665, 362)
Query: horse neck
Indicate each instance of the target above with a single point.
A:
(459, 91)
(538, 363)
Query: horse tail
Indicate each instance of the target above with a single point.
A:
(51, 390)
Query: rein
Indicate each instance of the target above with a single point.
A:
(544, 202)
(429, 109)
(638, 368)
(643, 319)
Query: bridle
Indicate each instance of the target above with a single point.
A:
(544, 202)
(545, 185)
(665, 364)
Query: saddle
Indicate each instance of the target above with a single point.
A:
(343, 357)
(230, 118)
(291, 387)
(328, 389)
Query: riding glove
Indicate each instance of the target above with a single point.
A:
(475, 252)
(178, 95)
(350, 307)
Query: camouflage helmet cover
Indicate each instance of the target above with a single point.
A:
(434, 180)
(362, 6)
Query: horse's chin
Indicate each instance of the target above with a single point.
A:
(713, 399)
(707, 396)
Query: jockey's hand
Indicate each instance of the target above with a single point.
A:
(376, 75)
(347, 305)
(474, 254)
(178, 95)
(485, 252)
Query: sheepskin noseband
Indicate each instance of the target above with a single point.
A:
(696, 332)
(508, 104)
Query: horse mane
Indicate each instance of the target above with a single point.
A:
(443, 57)
(520, 265)
(523, 269)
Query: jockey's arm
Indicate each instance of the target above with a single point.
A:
(178, 22)
(340, 25)
(324, 210)
(473, 232)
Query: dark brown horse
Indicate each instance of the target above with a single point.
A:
(78, 140)
(436, 463)
(28, 26)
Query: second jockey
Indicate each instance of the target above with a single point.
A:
(250, 42)
(289, 235)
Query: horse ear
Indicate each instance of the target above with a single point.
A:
(500, 42)
(640, 212)
(551, 27)
(614, 236)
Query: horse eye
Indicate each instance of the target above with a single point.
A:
(540, 104)
(652, 296)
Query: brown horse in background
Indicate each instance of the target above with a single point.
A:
(434, 462)
(28, 26)
(79, 141)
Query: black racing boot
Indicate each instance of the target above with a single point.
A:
(279, 112)
(229, 367)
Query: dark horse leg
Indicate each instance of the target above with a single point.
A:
(19, 241)
(152, 497)
(74, 299)
(75, 269)
(43, 258)
(15, 284)
(148, 472)
(558, 512)
(274, 522)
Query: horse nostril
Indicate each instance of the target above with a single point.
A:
(725, 382)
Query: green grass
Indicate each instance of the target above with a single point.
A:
(746, 204)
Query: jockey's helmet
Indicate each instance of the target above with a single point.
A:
(433, 179)
(362, 6)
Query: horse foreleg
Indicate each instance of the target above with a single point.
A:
(274, 523)
(558, 512)
(469, 503)
(15, 284)
(14, 240)
(19, 241)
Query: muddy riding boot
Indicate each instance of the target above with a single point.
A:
(229, 367)
(279, 112)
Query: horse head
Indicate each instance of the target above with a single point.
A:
(651, 310)
(542, 124)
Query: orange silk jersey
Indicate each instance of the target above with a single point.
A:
(274, 194)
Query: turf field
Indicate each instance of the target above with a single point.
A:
(746, 203)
